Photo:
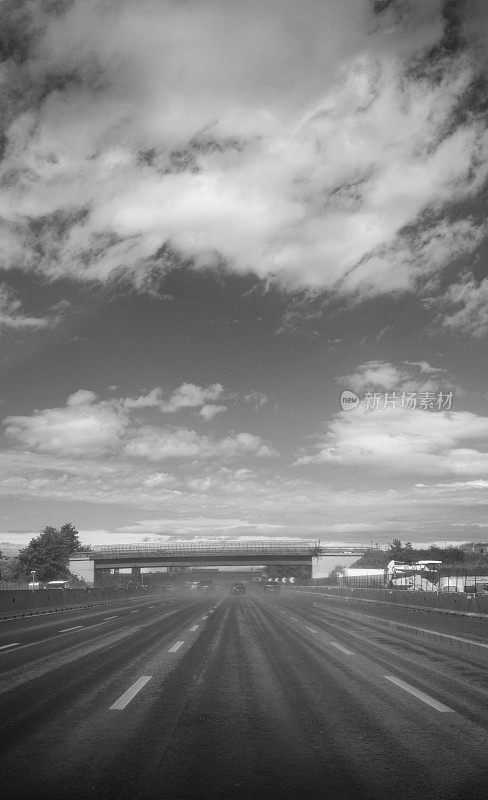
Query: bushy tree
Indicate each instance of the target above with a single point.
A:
(406, 554)
(48, 554)
(9, 568)
(395, 550)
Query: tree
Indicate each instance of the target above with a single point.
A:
(48, 554)
(9, 568)
(396, 550)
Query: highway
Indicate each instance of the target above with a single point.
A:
(279, 695)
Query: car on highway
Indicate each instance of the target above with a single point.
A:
(272, 586)
(206, 586)
(238, 588)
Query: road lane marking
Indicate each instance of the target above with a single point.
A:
(135, 612)
(313, 630)
(175, 647)
(395, 624)
(194, 627)
(74, 628)
(206, 617)
(114, 617)
(342, 649)
(5, 646)
(295, 619)
(151, 606)
(418, 694)
(125, 699)
(97, 624)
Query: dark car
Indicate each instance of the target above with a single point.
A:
(238, 588)
(272, 586)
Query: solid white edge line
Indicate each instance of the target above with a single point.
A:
(5, 646)
(74, 628)
(131, 692)
(395, 623)
(342, 649)
(175, 647)
(419, 695)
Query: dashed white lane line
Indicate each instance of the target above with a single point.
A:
(194, 628)
(295, 619)
(12, 644)
(136, 611)
(74, 628)
(125, 699)
(342, 649)
(205, 617)
(114, 617)
(313, 630)
(175, 647)
(418, 694)
(151, 606)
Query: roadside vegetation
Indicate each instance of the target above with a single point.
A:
(47, 554)
(469, 556)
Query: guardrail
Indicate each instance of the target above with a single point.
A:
(462, 602)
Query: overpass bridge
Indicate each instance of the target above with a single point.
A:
(278, 552)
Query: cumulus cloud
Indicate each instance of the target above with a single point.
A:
(256, 399)
(156, 444)
(299, 141)
(188, 395)
(90, 427)
(159, 480)
(409, 376)
(11, 315)
(209, 411)
(404, 442)
(84, 427)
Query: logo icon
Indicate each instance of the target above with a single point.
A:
(349, 400)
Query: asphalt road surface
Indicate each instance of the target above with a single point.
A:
(265, 696)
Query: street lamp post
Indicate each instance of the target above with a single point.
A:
(33, 573)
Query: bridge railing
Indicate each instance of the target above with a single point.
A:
(203, 548)
(278, 547)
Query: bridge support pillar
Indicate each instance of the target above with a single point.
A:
(84, 568)
(320, 567)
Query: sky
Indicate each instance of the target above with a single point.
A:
(216, 217)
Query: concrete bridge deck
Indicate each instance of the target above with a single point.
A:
(181, 554)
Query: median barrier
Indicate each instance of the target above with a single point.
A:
(26, 601)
